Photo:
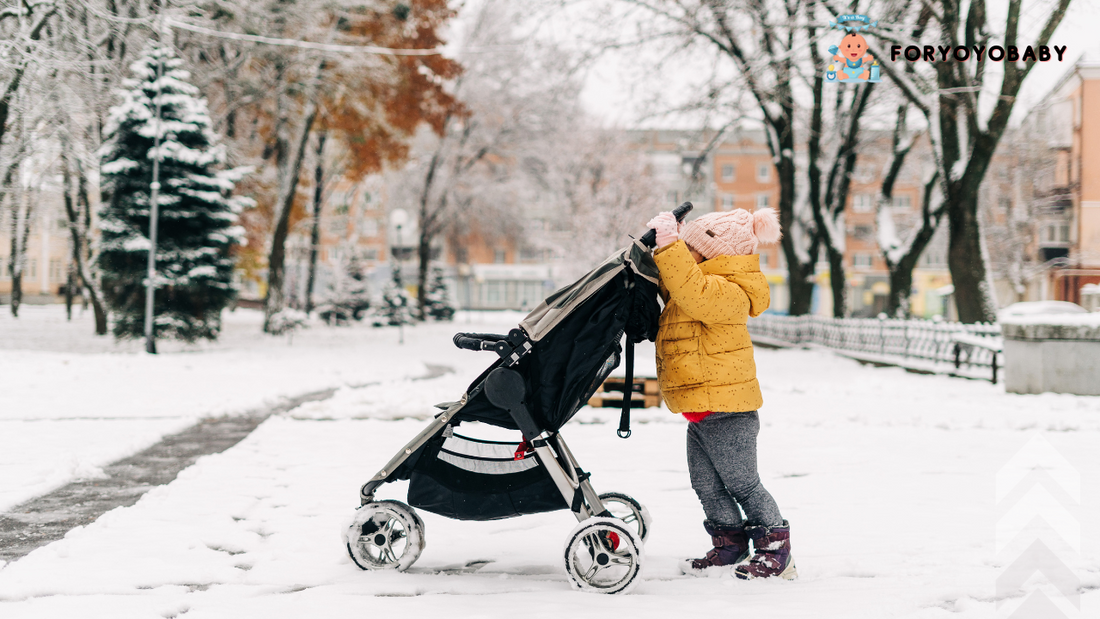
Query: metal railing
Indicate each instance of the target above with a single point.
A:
(931, 342)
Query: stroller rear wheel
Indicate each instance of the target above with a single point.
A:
(628, 510)
(603, 555)
(385, 535)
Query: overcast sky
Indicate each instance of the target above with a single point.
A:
(617, 83)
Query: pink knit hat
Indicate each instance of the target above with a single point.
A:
(731, 233)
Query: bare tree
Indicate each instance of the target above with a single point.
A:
(477, 173)
(763, 39)
(964, 136)
(286, 94)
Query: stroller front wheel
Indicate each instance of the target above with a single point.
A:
(603, 555)
(385, 535)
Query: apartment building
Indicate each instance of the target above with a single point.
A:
(1057, 152)
(353, 222)
(46, 261)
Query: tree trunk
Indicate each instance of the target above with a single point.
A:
(315, 229)
(70, 283)
(79, 217)
(20, 233)
(901, 271)
(837, 281)
(275, 300)
(16, 293)
(973, 299)
(799, 274)
(424, 253)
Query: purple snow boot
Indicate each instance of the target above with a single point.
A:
(773, 554)
(731, 546)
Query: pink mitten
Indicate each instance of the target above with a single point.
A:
(668, 229)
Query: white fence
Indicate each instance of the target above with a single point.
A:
(932, 344)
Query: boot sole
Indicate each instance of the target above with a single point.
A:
(790, 573)
(714, 571)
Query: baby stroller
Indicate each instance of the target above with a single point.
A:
(546, 370)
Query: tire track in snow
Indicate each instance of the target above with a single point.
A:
(49, 517)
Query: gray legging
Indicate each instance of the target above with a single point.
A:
(721, 451)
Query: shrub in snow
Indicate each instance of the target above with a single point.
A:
(396, 308)
(437, 305)
(287, 321)
(197, 220)
(348, 297)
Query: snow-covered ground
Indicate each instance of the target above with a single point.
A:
(889, 479)
(71, 402)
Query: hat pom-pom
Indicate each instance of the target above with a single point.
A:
(766, 226)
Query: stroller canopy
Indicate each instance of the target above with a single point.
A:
(575, 335)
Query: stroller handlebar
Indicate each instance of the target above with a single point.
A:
(478, 341)
(649, 239)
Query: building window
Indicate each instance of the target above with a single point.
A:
(1057, 233)
(763, 201)
(862, 233)
(494, 293)
(369, 227)
(727, 173)
(671, 197)
(727, 203)
(55, 271)
(30, 271)
(531, 254)
(370, 254)
(863, 203)
(4, 273)
(901, 203)
(862, 260)
(763, 172)
(530, 294)
(763, 261)
(499, 256)
(461, 255)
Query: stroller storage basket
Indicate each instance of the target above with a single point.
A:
(472, 479)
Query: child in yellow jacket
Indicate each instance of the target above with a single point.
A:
(711, 283)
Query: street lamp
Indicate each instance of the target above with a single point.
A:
(398, 217)
(154, 215)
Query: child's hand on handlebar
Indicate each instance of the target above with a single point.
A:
(668, 229)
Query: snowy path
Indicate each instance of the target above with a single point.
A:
(64, 415)
(888, 479)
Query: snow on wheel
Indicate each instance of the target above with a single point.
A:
(628, 510)
(603, 555)
(385, 535)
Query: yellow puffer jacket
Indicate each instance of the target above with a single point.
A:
(704, 354)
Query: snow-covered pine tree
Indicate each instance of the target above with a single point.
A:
(437, 304)
(396, 308)
(348, 297)
(197, 220)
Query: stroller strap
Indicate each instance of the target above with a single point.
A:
(624, 417)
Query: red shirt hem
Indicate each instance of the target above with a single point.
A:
(697, 417)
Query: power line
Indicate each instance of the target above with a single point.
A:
(324, 47)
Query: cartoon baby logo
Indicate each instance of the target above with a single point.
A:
(850, 61)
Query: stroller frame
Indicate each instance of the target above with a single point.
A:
(604, 552)
(504, 387)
